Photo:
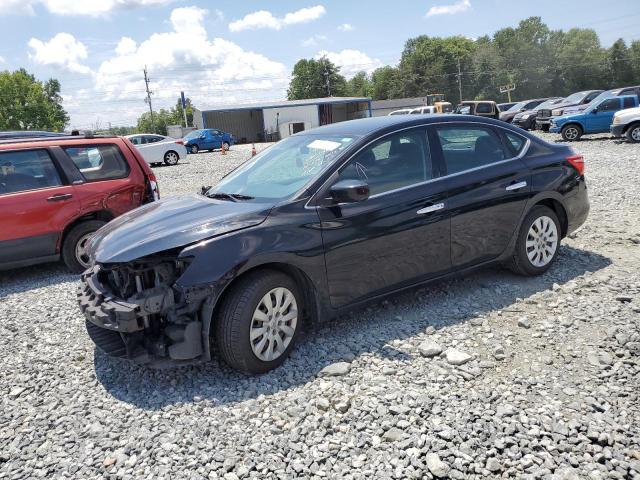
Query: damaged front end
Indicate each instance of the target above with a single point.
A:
(135, 310)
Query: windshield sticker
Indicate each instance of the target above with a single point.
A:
(326, 145)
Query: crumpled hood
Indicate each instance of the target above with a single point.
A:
(170, 223)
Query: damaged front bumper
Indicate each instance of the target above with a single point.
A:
(136, 311)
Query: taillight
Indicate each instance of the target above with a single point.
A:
(180, 141)
(152, 186)
(577, 162)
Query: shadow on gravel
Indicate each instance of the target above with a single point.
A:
(588, 139)
(25, 279)
(366, 331)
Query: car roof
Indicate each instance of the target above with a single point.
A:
(371, 125)
(49, 141)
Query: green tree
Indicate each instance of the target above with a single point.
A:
(634, 57)
(383, 83)
(359, 85)
(430, 64)
(620, 64)
(178, 114)
(29, 104)
(316, 79)
(582, 61)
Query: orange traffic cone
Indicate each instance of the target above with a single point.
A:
(224, 151)
(253, 149)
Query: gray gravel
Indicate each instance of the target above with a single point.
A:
(491, 375)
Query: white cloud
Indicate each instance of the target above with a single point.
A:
(266, 19)
(313, 40)
(351, 61)
(210, 71)
(459, 7)
(346, 27)
(126, 46)
(63, 51)
(75, 7)
(2, 60)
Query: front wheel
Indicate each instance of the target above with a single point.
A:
(633, 133)
(259, 321)
(226, 146)
(571, 132)
(544, 127)
(74, 249)
(171, 158)
(538, 242)
(194, 149)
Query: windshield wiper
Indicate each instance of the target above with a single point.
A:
(234, 197)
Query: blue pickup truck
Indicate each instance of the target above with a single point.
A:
(207, 139)
(596, 118)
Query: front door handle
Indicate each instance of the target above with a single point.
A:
(59, 197)
(516, 186)
(431, 208)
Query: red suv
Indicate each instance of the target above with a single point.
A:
(56, 192)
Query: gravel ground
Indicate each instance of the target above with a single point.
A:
(492, 375)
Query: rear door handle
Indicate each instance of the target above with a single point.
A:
(431, 208)
(59, 197)
(516, 186)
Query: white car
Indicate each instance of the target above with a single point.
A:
(156, 149)
(627, 122)
(426, 110)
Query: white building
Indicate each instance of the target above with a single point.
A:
(272, 121)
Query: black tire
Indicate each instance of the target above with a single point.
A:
(633, 133)
(171, 158)
(519, 262)
(194, 149)
(571, 132)
(544, 128)
(235, 316)
(75, 235)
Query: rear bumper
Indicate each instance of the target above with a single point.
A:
(617, 130)
(577, 207)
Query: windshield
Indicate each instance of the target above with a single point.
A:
(194, 134)
(575, 97)
(282, 169)
(548, 103)
(517, 106)
(598, 99)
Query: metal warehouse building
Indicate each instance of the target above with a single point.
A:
(273, 121)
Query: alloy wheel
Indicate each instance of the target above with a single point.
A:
(194, 149)
(273, 324)
(635, 134)
(542, 241)
(82, 251)
(171, 158)
(571, 133)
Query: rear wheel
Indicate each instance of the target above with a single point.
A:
(194, 149)
(633, 133)
(226, 146)
(259, 322)
(74, 249)
(538, 242)
(171, 158)
(571, 132)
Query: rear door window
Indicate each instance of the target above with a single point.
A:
(465, 147)
(27, 170)
(483, 108)
(99, 162)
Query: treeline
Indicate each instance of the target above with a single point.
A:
(539, 61)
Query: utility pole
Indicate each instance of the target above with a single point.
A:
(148, 99)
(459, 81)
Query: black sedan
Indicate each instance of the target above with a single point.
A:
(321, 222)
(527, 118)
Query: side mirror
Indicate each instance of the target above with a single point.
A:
(349, 191)
(595, 110)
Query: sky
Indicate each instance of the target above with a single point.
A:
(232, 52)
